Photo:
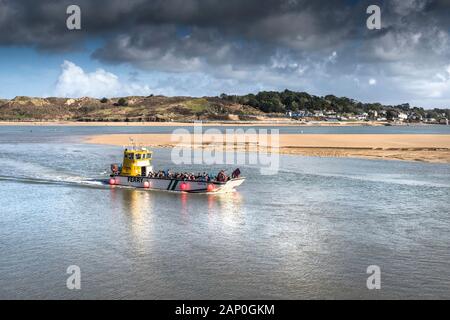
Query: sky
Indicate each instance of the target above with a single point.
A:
(209, 47)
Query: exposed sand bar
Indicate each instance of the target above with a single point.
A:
(427, 148)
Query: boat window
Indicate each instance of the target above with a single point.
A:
(138, 156)
(131, 156)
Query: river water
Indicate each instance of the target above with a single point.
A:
(308, 232)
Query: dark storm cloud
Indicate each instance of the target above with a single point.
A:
(237, 33)
(291, 23)
(222, 31)
(35, 23)
(282, 42)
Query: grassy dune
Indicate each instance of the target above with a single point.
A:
(129, 109)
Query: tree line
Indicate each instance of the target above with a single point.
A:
(281, 102)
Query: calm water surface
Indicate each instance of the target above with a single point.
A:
(63, 133)
(308, 232)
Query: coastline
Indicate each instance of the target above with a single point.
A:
(279, 123)
(407, 147)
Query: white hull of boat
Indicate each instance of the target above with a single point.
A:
(175, 185)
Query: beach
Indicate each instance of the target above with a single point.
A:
(269, 123)
(432, 148)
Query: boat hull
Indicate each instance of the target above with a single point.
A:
(176, 185)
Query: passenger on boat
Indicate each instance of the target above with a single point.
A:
(185, 176)
(236, 174)
(222, 177)
(115, 169)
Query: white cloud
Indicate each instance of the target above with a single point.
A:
(405, 7)
(333, 57)
(401, 83)
(75, 82)
(433, 87)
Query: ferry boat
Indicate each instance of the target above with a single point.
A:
(137, 171)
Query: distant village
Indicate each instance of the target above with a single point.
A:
(306, 107)
(372, 115)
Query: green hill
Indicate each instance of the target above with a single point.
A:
(152, 108)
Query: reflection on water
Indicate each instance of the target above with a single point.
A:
(139, 206)
(229, 206)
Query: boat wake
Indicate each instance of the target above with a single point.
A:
(72, 181)
(38, 173)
